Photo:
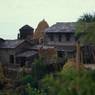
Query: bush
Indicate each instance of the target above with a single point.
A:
(31, 91)
(70, 81)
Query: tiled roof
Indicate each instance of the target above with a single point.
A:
(11, 43)
(61, 27)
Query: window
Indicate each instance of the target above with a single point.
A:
(68, 37)
(60, 54)
(51, 37)
(11, 59)
(59, 38)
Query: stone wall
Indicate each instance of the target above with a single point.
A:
(56, 41)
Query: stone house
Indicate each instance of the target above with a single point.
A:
(62, 37)
(21, 51)
(16, 52)
(24, 50)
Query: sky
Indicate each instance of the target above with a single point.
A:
(16, 13)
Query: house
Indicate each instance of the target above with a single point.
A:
(23, 50)
(62, 36)
(14, 54)
(18, 51)
(49, 42)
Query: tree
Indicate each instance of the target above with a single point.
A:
(88, 18)
(66, 81)
(39, 70)
(31, 91)
(86, 28)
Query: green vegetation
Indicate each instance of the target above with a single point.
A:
(88, 18)
(39, 70)
(86, 28)
(31, 91)
(70, 81)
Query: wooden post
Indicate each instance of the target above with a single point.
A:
(77, 64)
(94, 55)
(78, 55)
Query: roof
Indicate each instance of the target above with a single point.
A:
(37, 47)
(1, 40)
(27, 54)
(11, 43)
(66, 27)
(26, 28)
(64, 50)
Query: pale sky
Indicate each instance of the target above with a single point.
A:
(16, 13)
